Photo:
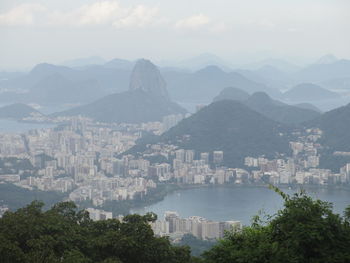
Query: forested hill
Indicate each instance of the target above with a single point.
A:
(335, 125)
(231, 127)
(17, 111)
(270, 108)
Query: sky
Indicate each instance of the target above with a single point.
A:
(239, 31)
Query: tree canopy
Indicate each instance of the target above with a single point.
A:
(305, 230)
(65, 234)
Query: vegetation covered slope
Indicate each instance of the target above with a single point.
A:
(335, 125)
(278, 111)
(305, 230)
(309, 92)
(273, 109)
(232, 93)
(64, 234)
(17, 111)
(134, 106)
(231, 127)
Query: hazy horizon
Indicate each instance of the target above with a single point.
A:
(239, 32)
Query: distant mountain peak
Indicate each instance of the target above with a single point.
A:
(232, 93)
(146, 76)
(309, 92)
(327, 59)
(43, 69)
(41, 66)
(260, 95)
(232, 127)
(203, 60)
(211, 69)
(18, 111)
(275, 110)
(118, 63)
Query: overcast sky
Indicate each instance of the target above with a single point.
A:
(237, 30)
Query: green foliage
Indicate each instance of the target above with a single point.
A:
(233, 128)
(279, 111)
(66, 234)
(12, 165)
(133, 106)
(197, 246)
(306, 230)
(232, 93)
(332, 162)
(16, 197)
(335, 127)
(157, 159)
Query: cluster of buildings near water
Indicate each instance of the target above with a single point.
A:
(84, 160)
(175, 226)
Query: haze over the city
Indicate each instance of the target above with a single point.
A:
(166, 31)
(189, 131)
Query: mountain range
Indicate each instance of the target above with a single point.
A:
(335, 125)
(273, 109)
(309, 92)
(205, 84)
(232, 127)
(86, 84)
(146, 100)
(95, 78)
(319, 72)
(17, 111)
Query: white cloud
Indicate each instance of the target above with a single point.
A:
(108, 12)
(98, 13)
(201, 23)
(138, 17)
(21, 15)
(193, 22)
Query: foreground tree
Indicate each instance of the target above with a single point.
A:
(306, 230)
(65, 234)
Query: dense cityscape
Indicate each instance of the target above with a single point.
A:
(84, 160)
(151, 131)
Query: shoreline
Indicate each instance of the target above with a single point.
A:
(179, 187)
(326, 187)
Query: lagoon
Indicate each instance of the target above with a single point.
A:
(236, 203)
(17, 127)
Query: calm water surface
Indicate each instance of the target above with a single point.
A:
(15, 126)
(236, 203)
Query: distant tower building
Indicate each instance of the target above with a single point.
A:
(218, 157)
(177, 164)
(118, 167)
(189, 156)
(180, 155)
(205, 157)
(171, 120)
(171, 217)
